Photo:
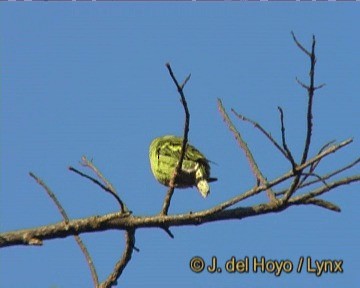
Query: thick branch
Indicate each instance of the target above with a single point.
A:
(117, 221)
(102, 223)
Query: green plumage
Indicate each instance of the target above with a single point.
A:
(164, 154)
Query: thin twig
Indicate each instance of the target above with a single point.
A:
(318, 177)
(51, 195)
(301, 84)
(170, 192)
(320, 86)
(97, 182)
(258, 126)
(167, 230)
(310, 90)
(326, 145)
(323, 203)
(252, 163)
(314, 165)
(121, 264)
(321, 190)
(67, 220)
(283, 138)
(329, 175)
(108, 187)
(299, 45)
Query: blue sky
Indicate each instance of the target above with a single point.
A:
(90, 79)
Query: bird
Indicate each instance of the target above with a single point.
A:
(164, 155)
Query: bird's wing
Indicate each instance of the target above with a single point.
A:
(173, 149)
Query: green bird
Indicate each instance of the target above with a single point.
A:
(164, 154)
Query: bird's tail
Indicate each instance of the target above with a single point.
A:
(202, 181)
(203, 187)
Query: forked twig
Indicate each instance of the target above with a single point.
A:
(314, 165)
(321, 190)
(252, 163)
(329, 175)
(170, 192)
(107, 186)
(311, 90)
(309, 123)
(262, 130)
(258, 189)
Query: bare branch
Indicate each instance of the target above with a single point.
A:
(258, 126)
(121, 264)
(326, 145)
(320, 86)
(319, 178)
(301, 84)
(329, 175)
(299, 45)
(168, 232)
(66, 219)
(294, 185)
(283, 138)
(324, 204)
(324, 189)
(108, 187)
(258, 189)
(170, 192)
(255, 169)
(120, 222)
(315, 164)
(51, 195)
(124, 220)
(311, 90)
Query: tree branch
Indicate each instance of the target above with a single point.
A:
(283, 138)
(170, 192)
(309, 117)
(108, 187)
(227, 210)
(67, 220)
(121, 264)
(119, 222)
(262, 130)
(310, 90)
(324, 204)
(254, 168)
